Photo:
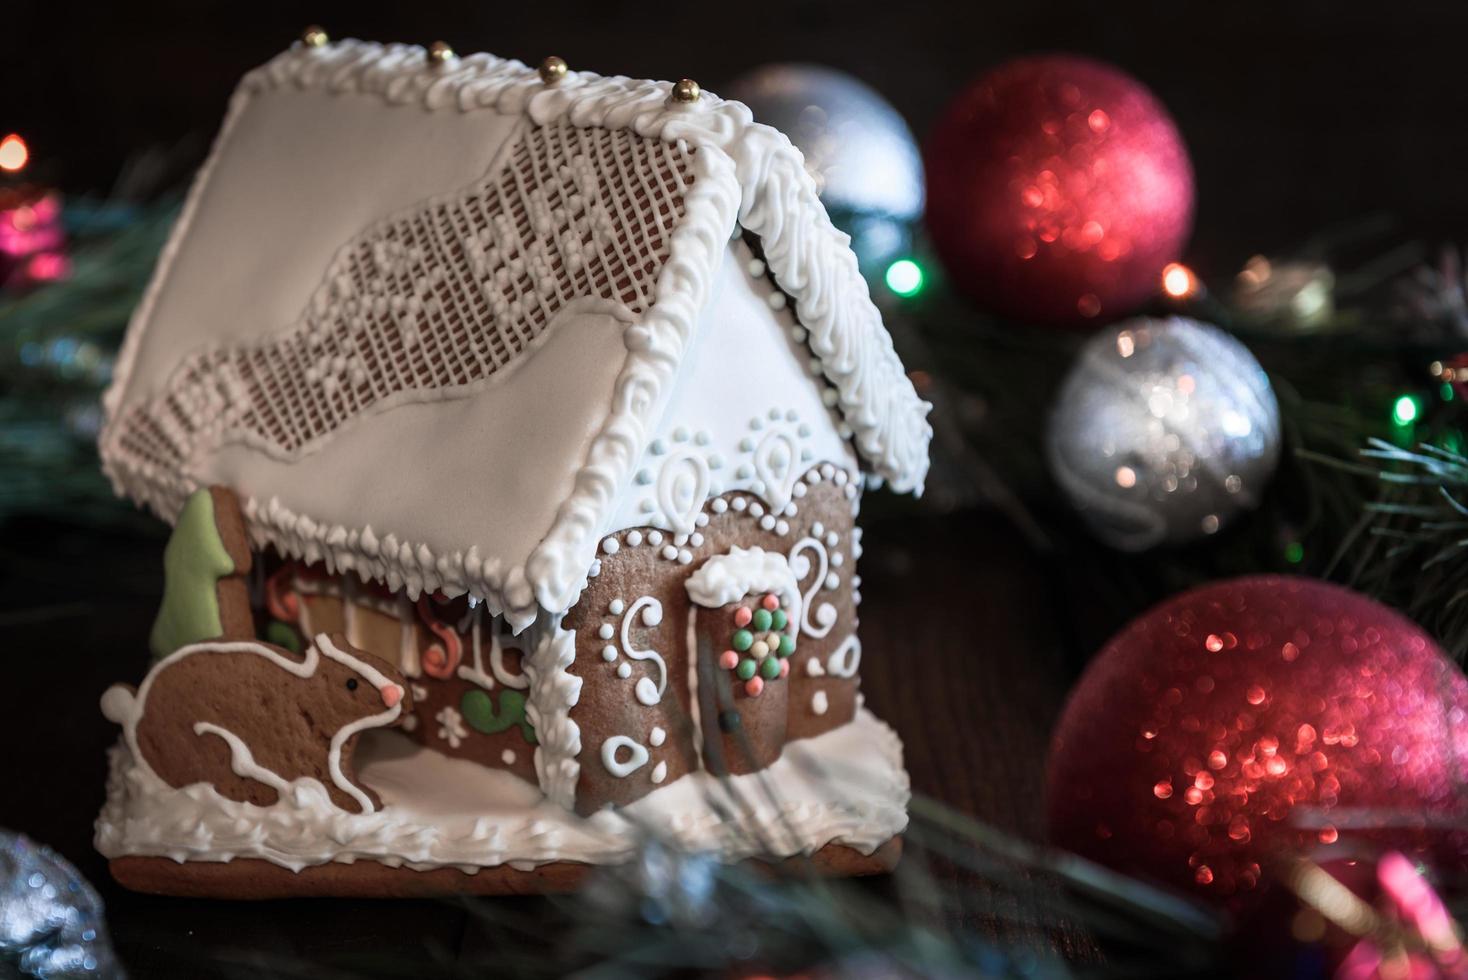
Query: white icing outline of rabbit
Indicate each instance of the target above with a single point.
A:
(127, 708)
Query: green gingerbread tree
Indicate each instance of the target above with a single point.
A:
(193, 563)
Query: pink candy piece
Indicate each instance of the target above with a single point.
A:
(771, 602)
(391, 695)
(728, 660)
(754, 686)
(784, 667)
(742, 616)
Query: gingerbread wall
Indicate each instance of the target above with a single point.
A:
(468, 692)
(637, 602)
(462, 666)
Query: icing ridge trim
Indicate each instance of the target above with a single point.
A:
(741, 168)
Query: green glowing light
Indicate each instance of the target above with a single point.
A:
(1446, 391)
(905, 277)
(1294, 552)
(1405, 410)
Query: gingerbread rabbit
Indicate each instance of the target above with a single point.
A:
(250, 718)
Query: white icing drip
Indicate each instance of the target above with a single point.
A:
(819, 703)
(621, 769)
(651, 611)
(727, 578)
(242, 760)
(844, 786)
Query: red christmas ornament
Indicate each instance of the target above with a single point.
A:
(1258, 718)
(1058, 188)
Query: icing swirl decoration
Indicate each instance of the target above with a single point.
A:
(474, 671)
(775, 467)
(844, 661)
(622, 768)
(683, 486)
(650, 611)
(825, 613)
(441, 659)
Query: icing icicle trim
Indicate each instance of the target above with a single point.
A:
(554, 691)
(743, 171)
(727, 578)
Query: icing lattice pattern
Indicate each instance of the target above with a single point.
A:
(432, 299)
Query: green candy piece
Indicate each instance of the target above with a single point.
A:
(194, 560)
(743, 640)
(478, 710)
(778, 619)
(761, 621)
(283, 635)
(787, 645)
(745, 670)
(769, 668)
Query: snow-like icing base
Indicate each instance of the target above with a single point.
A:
(846, 786)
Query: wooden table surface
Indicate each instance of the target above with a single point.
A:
(965, 643)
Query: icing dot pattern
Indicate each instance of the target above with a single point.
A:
(758, 647)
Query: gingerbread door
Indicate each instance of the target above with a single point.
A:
(743, 624)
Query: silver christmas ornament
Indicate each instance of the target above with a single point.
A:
(1163, 431)
(864, 160)
(50, 919)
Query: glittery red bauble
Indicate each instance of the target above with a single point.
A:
(1258, 718)
(1058, 188)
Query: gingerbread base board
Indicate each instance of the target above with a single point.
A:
(252, 878)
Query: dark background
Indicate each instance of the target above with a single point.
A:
(1298, 115)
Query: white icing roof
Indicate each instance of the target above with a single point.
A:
(340, 180)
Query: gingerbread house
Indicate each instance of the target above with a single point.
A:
(558, 394)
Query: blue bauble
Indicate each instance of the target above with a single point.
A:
(50, 919)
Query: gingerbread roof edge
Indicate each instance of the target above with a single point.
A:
(747, 176)
(778, 202)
